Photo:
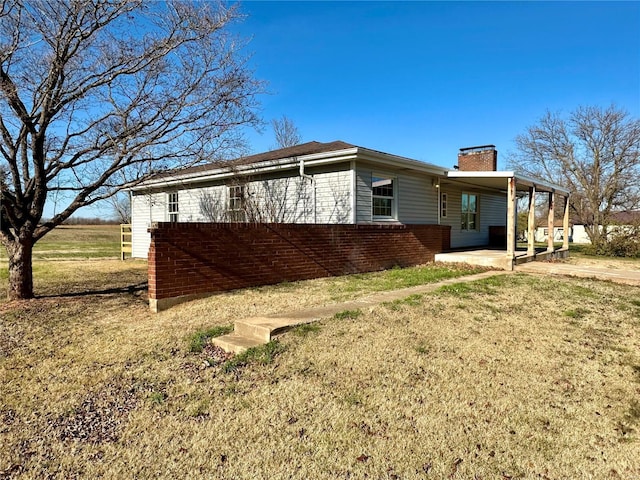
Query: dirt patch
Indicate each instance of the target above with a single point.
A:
(604, 262)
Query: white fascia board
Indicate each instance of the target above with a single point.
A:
(520, 178)
(269, 166)
(401, 162)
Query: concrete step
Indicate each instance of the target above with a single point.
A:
(235, 343)
(257, 328)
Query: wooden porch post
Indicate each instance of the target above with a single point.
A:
(550, 221)
(511, 222)
(531, 222)
(565, 224)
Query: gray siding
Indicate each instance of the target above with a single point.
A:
(287, 199)
(363, 195)
(492, 212)
(333, 197)
(415, 196)
(417, 200)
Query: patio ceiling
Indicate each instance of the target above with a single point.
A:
(499, 181)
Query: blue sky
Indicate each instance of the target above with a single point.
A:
(422, 79)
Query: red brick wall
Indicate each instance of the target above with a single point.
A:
(482, 161)
(198, 258)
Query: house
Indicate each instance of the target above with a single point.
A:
(621, 222)
(323, 184)
(335, 183)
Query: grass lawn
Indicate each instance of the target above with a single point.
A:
(77, 242)
(515, 376)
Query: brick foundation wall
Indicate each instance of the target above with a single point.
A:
(191, 259)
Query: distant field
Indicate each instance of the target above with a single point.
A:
(77, 242)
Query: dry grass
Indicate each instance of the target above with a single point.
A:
(77, 242)
(512, 377)
(614, 263)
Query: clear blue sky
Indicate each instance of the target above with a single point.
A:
(422, 79)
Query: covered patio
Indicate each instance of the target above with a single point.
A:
(515, 185)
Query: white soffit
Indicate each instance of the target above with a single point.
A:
(498, 180)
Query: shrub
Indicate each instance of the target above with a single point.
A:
(622, 242)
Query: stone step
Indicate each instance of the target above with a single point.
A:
(235, 343)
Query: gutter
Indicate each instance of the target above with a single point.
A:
(263, 167)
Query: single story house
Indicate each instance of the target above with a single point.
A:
(341, 183)
(621, 223)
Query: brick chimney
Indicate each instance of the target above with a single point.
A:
(478, 159)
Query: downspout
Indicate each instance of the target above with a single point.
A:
(438, 203)
(303, 174)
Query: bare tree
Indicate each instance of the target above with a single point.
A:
(595, 152)
(286, 132)
(212, 206)
(96, 95)
(121, 207)
(280, 200)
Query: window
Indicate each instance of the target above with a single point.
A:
(443, 205)
(172, 206)
(382, 203)
(236, 198)
(469, 211)
(237, 203)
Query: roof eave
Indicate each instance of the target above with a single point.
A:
(401, 162)
(541, 185)
(268, 166)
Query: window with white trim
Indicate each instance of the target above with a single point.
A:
(382, 205)
(172, 206)
(443, 205)
(469, 210)
(236, 207)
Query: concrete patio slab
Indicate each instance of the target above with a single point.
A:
(482, 257)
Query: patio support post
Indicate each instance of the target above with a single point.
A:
(531, 222)
(565, 224)
(511, 222)
(550, 221)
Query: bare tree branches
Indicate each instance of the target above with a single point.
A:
(286, 132)
(96, 95)
(595, 152)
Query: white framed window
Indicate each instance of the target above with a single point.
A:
(236, 198)
(236, 207)
(469, 209)
(383, 200)
(443, 205)
(172, 206)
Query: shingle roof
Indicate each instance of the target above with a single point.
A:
(297, 150)
(308, 148)
(627, 217)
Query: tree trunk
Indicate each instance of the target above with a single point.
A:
(20, 269)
